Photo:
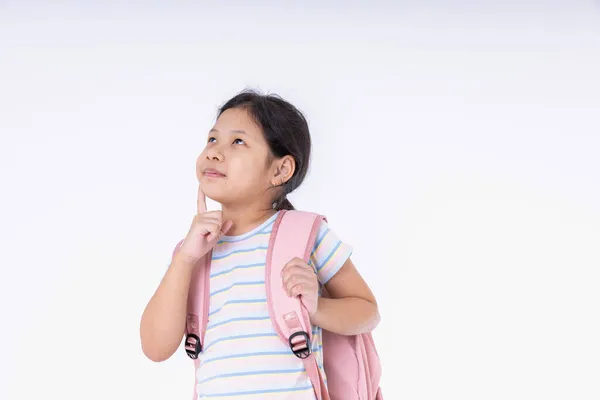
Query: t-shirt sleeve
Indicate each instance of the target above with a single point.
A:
(329, 253)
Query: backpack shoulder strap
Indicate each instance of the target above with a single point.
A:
(197, 307)
(198, 302)
(293, 235)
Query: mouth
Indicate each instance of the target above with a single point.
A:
(213, 173)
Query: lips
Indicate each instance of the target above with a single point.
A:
(213, 173)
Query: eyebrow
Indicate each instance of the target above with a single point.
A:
(233, 131)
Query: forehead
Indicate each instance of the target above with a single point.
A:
(237, 121)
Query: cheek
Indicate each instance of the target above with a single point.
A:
(249, 171)
(199, 165)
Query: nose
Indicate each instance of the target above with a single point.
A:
(214, 154)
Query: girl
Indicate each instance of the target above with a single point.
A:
(257, 152)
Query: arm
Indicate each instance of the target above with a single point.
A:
(163, 321)
(350, 308)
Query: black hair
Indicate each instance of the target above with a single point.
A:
(286, 131)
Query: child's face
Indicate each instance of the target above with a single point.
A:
(232, 169)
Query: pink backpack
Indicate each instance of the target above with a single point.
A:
(351, 363)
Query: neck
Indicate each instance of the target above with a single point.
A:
(245, 218)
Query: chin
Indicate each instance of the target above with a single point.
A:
(214, 192)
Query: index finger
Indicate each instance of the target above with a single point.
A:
(201, 200)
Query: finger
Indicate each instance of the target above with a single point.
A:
(201, 200)
(297, 273)
(226, 226)
(212, 230)
(299, 284)
(223, 228)
(206, 228)
(204, 224)
(208, 221)
(296, 290)
(295, 262)
(210, 216)
(216, 213)
(302, 288)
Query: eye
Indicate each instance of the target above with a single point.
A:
(210, 139)
(238, 141)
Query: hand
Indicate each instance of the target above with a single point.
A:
(300, 280)
(206, 229)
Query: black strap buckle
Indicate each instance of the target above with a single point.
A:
(192, 347)
(300, 349)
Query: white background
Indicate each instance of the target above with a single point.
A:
(456, 147)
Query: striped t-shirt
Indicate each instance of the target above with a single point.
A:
(243, 358)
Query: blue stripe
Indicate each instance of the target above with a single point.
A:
(339, 243)
(236, 284)
(264, 353)
(258, 392)
(237, 267)
(258, 354)
(238, 319)
(320, 239)
(238, 374)
(237, 301)
(317, 244)
(240, 251)
(248, 235)
(226, 338)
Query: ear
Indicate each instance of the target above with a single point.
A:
(284, 170)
